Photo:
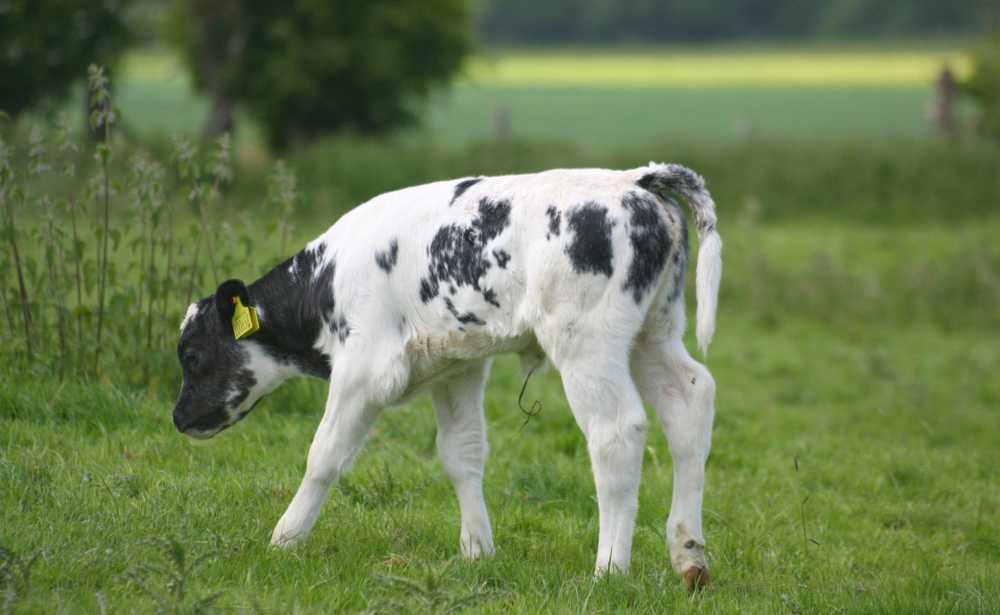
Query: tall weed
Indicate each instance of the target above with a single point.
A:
(101, 257)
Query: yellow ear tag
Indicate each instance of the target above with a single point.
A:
(244, 320)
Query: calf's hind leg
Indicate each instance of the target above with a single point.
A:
(682, 392)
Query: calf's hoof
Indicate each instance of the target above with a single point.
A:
(696, 579)
(282, 543)
(281, 540)
(474, 550)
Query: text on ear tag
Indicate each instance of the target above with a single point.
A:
(244, 320)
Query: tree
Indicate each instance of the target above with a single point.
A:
(657, 21)
(46, 46)
(983, 85)
(208, 35)
(304, 68)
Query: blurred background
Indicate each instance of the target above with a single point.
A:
(589, 72)
(151, 148)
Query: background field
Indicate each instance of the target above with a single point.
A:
(855, 446)
(619, 98)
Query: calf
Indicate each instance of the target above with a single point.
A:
(417, 289)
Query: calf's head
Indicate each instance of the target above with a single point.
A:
(223, 378)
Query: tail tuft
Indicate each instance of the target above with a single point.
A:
(667, 179)
(707, 278)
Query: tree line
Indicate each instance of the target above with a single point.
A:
(303, 68)
(667, 21)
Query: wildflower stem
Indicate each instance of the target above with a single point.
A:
(16, 255)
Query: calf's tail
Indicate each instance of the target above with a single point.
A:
(666, 179)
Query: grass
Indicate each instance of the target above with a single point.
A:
(616, 98)
(851, 470)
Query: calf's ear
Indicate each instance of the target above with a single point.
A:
(225, 298)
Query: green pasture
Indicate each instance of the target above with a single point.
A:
(619, 98)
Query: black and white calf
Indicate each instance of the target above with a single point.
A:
(417, 289)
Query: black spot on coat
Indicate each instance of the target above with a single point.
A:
(502, 258)
(650, 243)
(466, 318)
(590, 250)
(340, 328)
(464, 185)
(386, 259)
(555, 222)
(457, 253)
(490, 296)
(679, 259)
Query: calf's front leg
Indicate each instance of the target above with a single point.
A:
(461, 442)
(341, 433)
